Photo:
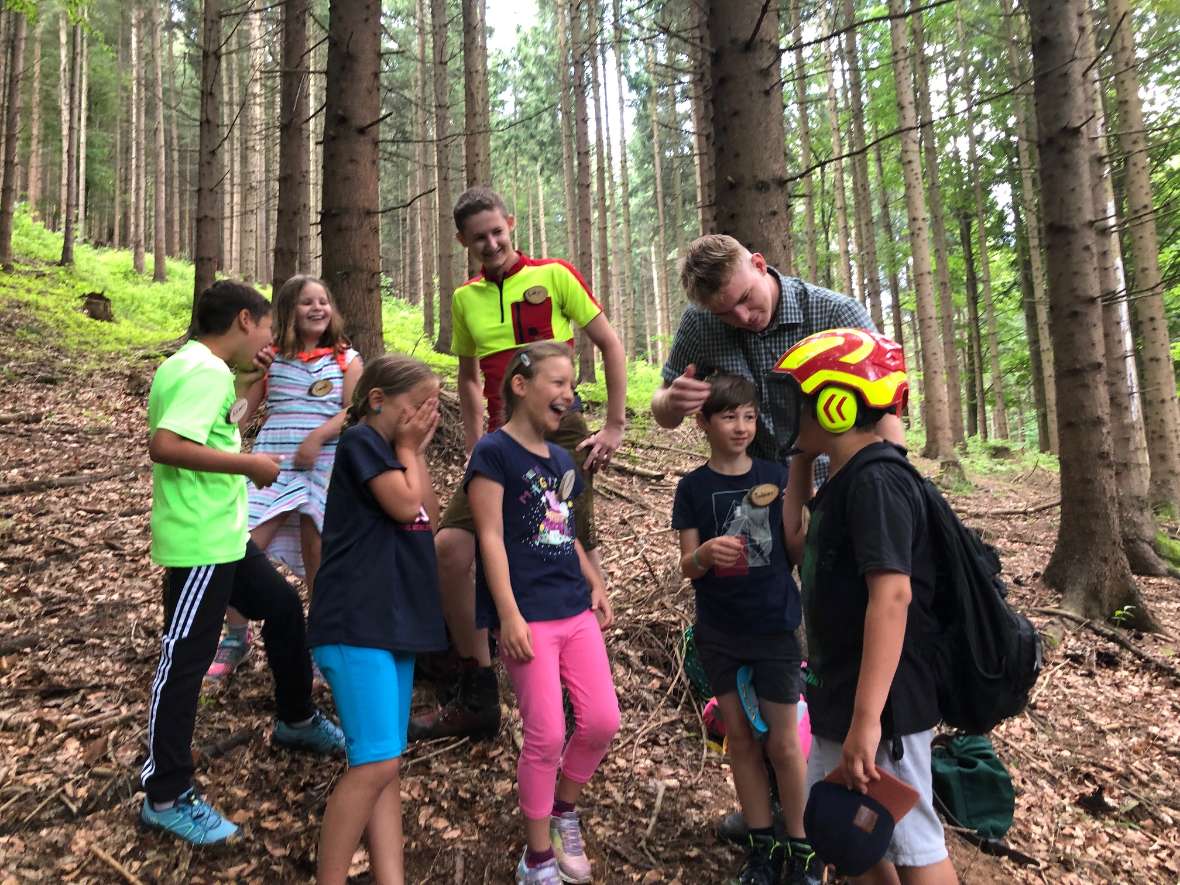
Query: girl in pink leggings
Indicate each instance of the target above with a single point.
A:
(535, 586)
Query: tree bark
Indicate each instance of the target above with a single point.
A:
(887, 227)
(628, 298)
(1031, 327)
(231, 111)
(175, 243)
(36, 166)
(806, 156)
(660, 253)
(1160, 408)
(477, 137)
(1088, 565)
(748, 134)
(1026, 144)
(249, 124)
(701, 100)
(136, 136)
(63, 97)
(603, 289)
(68, 227)
(446, 242)
(83, 122)
(585, 243)
(978, 405)
(15, 73)
(612, 258)
(160, 216)
(946, 302)
(939, 443)
(207, 222)
(838, 189)
(568, 163)
(352, 104)
(427, 217)
(291, 230)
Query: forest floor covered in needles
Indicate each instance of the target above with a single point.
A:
(1095, 759)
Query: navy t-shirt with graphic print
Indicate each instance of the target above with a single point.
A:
(763, 599)
(539, 530)
(377, 586)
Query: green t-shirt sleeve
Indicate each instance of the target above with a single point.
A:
(196, 400)
(462, 344)
(576, 301)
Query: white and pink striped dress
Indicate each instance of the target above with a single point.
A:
(302, 393)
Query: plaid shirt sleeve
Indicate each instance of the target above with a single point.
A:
(837, 311)
(687, 346)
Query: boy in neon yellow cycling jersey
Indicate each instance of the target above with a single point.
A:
(515, 300)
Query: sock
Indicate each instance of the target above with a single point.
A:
(238, 633)
(303, 723)
(533, 859)
(163, 806)
(761, 832)
(560, 808)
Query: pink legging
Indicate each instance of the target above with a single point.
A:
(569, 652)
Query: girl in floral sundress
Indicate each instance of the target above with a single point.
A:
(306, 389)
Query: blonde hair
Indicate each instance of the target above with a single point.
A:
(391, 374)
(287, 341)
(708, 264)
(525, 363)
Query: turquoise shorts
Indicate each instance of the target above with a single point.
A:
(371, 688)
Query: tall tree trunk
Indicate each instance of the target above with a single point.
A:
(748, 133)
(1026, 144)
(701, 100)
(1088, 565)
(939, 443)
(175, 196)
(442, 125)
(946, 303)
(1031, 326)
(1132, 468)
(971, 391)
(477, 137)
(427, 217)
(659, 256)
(541, 223)
(806, 157)
(887, 227)
(352, 104)
(68, 227)
(656, 308)
(233, 136)
(136, 136)
(83, 121)
(862, 191)
(36, 167)
(315, 161)
(15, 72)
(628, 299)
(160, 216)
(585, 243)
(211, 151)
(975, 361)
(1160, 408)
(249, 124)
(291, 230)
(602, 220)
(5, 41)
(839, 192)
(63, 97)
(568, 162)
(611, 251)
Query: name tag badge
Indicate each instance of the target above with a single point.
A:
(238, 410)
(320, 388)
(762, 495)
(567, 485)
(536, 295)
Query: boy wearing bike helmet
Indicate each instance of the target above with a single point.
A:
(868, 580)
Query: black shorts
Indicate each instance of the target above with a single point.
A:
(774, 658)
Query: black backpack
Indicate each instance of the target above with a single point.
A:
(985, 656)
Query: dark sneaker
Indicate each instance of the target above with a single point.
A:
(802, 866)
(320, 736)
(764, 862)
(732, 827)
(190, 818)
(473, 711)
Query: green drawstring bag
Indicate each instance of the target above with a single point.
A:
(694, 670)
(971, 785)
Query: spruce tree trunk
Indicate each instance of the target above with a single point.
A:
(806, 157)
(1132, 468)
(660, 250)
(477, 137)
(1088, 565)
(568, 162)
(291, 222)
(160, 215)
(75, 92)
(175, 195)
(887, 227)
(978, 406)
(701, 100)
(612, 257)
(1026, 144)
(36, 166)
(946, 303)
(1160, 408)
(628, 299)
(445, 223)
(12, 100)
(541, 234)
(249, 124)
(939, 443)
(351, 237)
(427, 216)
(83, 120)
(63, 98)
(585, 244)
(838, 189)
(211, 150)
(604, 291)
(746, 86)
(136, 136)
(233, 122)
(1031, 328)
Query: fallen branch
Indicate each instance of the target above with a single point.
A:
(57, 482)
(1113, 636)
(26, 418)
(226, 745)
(634, 470)
(18, 643)
(661, 788)
(1017, 511)
(100, 719)
(127, 875)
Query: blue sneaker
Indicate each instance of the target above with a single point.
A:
(190, 818)
(320, 736)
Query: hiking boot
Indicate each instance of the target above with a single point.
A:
(473, 711)
(732, 827)
(190, 818)
(320, 736)
(546, 874)
(801, 865)
(764, 862)
(231, 651)
(565, 832)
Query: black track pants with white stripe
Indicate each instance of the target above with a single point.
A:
(194, 606)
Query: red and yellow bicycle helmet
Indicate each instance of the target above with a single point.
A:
(841, 367)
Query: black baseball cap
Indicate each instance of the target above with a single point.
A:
(847, 829)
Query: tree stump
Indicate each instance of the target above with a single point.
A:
(98, 307)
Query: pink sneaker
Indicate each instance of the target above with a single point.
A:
(231, 651)
(566, 834)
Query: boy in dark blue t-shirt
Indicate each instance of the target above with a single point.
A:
(729, 513)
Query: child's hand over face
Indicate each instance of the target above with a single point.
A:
(264, 469)
(417, 429)
(724, 551)
(516, 639)
(600, 605)
(860, 753)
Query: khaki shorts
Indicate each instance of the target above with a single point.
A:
(569, 434)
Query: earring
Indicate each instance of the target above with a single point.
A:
(376, 410)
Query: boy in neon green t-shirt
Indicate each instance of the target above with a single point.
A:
(199, 536)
